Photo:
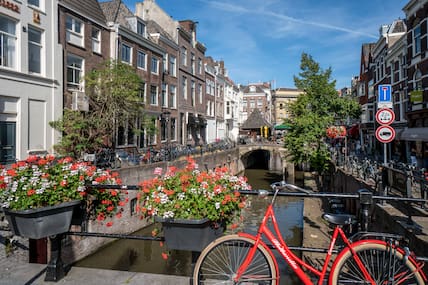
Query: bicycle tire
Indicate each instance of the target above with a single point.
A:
(385, 264)
(219, 261)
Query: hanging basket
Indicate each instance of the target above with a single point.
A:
(41, 222)
(192, 235)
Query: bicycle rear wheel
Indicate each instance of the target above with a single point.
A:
(385, 264)
(220, 260)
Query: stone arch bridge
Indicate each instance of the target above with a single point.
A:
(268, 156)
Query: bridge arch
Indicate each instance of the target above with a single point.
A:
(268, 156)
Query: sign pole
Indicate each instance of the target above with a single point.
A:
(384, 154)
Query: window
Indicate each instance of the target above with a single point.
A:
(35, 3)
(165, 64)
(7, 42)
(259, 103)
(192, 63)
(417, 85)
(34, 50)
(252, 104)
(155, 65)
(172, 65)
(141, 28)
(173, 129)
(153, 95)
(416, 40)
(193, 92)
(142, 92)
(74, 71)
(184, 87)
(151, 134)
(228, 108)
(74, 32)
(200, 93)
(164, 129)
(183, 56)
(173, 96)
(126, 53)
(199, 65)
(164, 98)
(96, 40)
(141, 59)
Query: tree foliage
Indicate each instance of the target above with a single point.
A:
(317, 108)
(113, 92)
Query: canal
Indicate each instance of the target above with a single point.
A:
(147, 256)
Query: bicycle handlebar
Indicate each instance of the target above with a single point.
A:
(304, 193)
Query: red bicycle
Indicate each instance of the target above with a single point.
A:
(242, 258)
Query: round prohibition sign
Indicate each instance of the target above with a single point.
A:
(385, 116)
(385, 134)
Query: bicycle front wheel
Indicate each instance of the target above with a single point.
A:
(221, 259)
(386, 265)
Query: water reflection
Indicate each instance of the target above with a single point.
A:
(146, 256)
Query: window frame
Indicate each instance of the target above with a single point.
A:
(81, 74)
(416, 40)
(128, 48)
(96, 40)
(154, 66)
(172, 96)
(153, 95)
(72, 33)
(11, 55)
(139, 53)
(40, 49)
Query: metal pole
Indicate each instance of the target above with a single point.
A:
(384, 154)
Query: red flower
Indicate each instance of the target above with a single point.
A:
(164, 255)
(109, 224)
(31, 192)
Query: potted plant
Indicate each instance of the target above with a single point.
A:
(38, 195)
(192, 205)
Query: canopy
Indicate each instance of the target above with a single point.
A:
(282, 127)
(415, 134)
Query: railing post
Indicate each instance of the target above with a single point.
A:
(366, 200)
(408, 184)
(55, 269)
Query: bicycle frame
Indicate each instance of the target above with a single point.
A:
(292, 260)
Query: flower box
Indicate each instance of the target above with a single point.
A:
(41, 222)
(192, 235)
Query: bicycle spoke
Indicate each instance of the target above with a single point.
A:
(384, 264)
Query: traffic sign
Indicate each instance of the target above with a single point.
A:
(385, 134)
(385, 116)
(384, 94)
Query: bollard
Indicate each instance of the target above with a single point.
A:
(55, 269)
(366, 200)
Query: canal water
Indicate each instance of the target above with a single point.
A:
(146, 256)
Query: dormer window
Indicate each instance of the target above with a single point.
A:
(252, 88)
(141, 28)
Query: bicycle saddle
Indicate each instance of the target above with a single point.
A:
(340, 219)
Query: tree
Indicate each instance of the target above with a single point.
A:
(317, 108)
(113, 92)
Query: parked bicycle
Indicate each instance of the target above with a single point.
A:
(364, 258)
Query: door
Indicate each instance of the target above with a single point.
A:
(7, 142)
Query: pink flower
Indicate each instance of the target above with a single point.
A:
(158, 171)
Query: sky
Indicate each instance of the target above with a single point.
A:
(263, 40)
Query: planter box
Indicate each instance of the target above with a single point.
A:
(42, 222)
(192, 235)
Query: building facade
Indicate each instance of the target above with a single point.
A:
(30, 78)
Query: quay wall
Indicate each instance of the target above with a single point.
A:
(78, 247)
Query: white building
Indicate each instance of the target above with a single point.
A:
(30, 77)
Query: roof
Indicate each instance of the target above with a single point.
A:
(88, 8)
(115, 11)
(255, 121)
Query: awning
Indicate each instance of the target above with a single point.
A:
(415, 134)
(282, 127)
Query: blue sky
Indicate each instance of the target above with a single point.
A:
(263, 40)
